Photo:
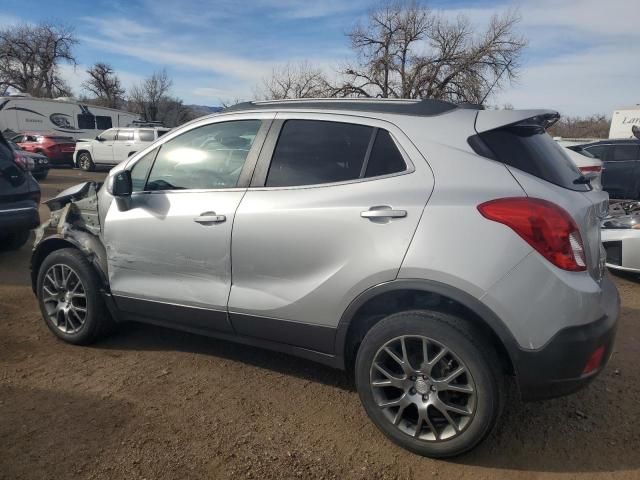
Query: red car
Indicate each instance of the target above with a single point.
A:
(58, 149)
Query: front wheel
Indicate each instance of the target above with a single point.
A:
(85, 162)
(428, 383)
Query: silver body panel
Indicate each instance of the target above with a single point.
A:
(630, 239)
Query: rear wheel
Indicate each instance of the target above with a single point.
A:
(85, 162)
(428, 384)
(69, 296)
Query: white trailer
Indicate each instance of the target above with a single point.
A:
(623, 120)
(22, 113)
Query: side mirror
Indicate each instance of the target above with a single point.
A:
(99, 138)
(120, 184)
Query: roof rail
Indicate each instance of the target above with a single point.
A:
(427, 107)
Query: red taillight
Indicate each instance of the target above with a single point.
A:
(591, 169)
(544, 225)
(24, 162)
(595, 360)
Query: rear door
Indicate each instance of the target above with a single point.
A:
(103, 146)
(331, 211)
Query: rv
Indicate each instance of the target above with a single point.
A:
(623, 120)
(23, 113)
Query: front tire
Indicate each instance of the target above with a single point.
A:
(429, 383)
(69, 296)
(85, 162)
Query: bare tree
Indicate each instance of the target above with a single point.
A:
(30, 56)
(408, 51)
(294, 80)
(593, 126)
(104, 85)
(147, 97)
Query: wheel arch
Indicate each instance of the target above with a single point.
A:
(411, 294)
(80, 241)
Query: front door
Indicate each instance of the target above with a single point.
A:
(103, 146)
(123, 146)
(332, 216)
(169, 251)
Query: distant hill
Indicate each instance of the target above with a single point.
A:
(203, 109)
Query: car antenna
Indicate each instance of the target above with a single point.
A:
(495, 82)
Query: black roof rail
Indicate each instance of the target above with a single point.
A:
(423, 108)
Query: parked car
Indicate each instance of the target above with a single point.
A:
(58, 149)
(621, 166)
(621, 236)
(114, 146)
(19, 200)
(38, 163)
(433, 250)
(589, 165)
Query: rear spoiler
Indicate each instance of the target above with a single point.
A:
(487, 120)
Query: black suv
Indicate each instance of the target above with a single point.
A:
(19, 199)
(621, 166)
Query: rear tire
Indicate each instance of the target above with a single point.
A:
(69, 296)
(14, 240)
(436, 407)
(85, 162)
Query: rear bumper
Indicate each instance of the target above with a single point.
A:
(17, 219)
(557, 368)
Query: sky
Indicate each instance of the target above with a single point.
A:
(583, 56)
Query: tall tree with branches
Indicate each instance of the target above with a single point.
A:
(294, 80)
(30, 58)
(104, 85)
(407, 51)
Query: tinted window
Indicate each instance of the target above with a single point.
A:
(531, 150)
(102, 123)
(108, 135)
(140, 170)
(598, 151)
(311, 152)
(206, 157)
(161, 132)
(86, 122)
(624, 152)
(145, 135)
(385, 157)
(125, 135)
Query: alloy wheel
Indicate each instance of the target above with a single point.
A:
(64, 298)
(423, 388)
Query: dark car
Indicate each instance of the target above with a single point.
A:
(37, 163)
(621, 166)
(57, 148)
(19, 199)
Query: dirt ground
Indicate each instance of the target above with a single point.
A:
(152, 403)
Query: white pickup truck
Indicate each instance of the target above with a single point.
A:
(114, 146)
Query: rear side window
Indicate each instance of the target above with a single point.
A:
(530, 149)
(125, 135)
(146, 135)
(313, 152)
(598, 151)
(623, 153)
(385, 158)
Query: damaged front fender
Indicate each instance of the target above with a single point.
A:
(74, 222)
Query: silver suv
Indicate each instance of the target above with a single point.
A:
(433, 250)
(114, 146)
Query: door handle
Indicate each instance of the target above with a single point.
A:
(209, 217)
(383, 212)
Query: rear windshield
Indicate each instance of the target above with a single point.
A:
(530, 149)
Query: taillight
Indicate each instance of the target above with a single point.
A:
(24, 162)
(594, 361)
(545, 226)
(591, 169)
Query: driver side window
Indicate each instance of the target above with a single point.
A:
(207, 157)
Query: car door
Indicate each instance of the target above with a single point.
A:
(331, 211)
(122, 146)
(168, 250)
(619, 169)
(102, 147)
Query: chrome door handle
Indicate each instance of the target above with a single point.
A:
(209, 217)
(383, 212)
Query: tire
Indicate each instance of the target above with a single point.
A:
(85, 162)
(72, 326)
(14, 240)
(476, 402)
